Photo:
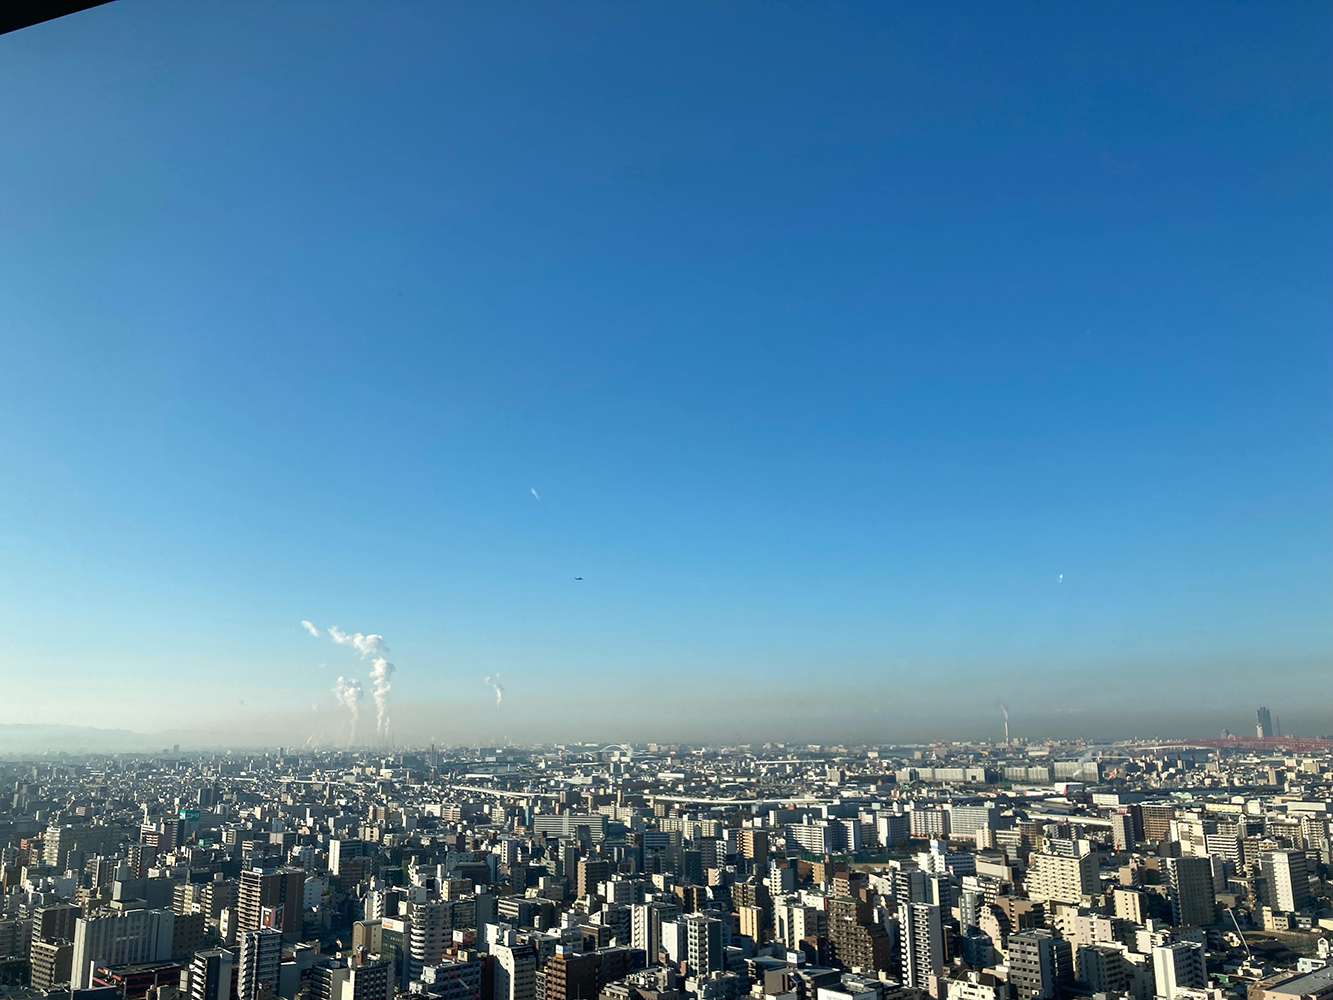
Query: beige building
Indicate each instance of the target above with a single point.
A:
(1062, 879)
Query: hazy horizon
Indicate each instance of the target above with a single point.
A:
(328, 730)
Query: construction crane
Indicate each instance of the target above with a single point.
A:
(1239, 933)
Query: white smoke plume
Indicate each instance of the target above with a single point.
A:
(366, 645)
(494, 681)
(381, 671)
(347, 692)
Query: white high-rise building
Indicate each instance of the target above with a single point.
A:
(646, 926)
(817, 838)
(130, 938)
(921, 940)
(673, 941)
(793, 921)
(433, 926)
(781, 880)
(1178, 967)
(515, 968)
(1286, 880)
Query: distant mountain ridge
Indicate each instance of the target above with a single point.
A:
(19, 737)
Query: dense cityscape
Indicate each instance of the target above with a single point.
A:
(1014, 870)
(772, 386)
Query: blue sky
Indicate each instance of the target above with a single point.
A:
(830, 336)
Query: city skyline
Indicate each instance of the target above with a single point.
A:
(939, 872)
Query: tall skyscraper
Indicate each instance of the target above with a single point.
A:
(1190, 890)
(781, 879)
(272, 898)
(921, 939)
(260, 959)
(1263, 722)
(909, 886)
(1286, 878)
